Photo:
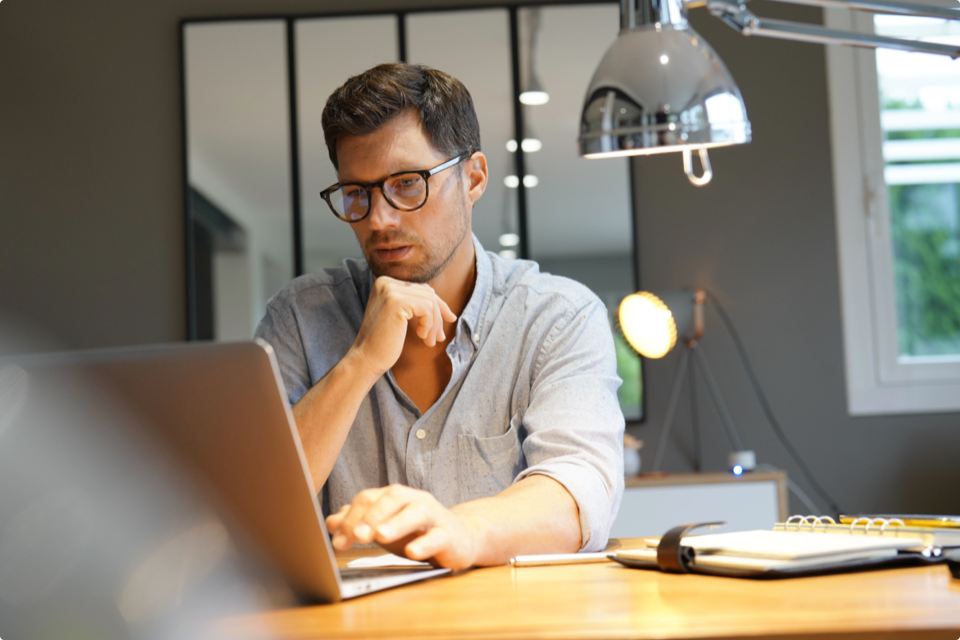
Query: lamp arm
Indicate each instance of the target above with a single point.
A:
(884, 6)
(746, 22)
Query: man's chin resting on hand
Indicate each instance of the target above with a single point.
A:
(453, 406)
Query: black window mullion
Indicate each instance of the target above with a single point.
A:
(402, 37)
(295, 208)
(520, 161)
(188, 230)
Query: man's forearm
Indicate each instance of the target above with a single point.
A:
(326, 412)
(535, 515)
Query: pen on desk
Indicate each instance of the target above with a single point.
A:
(558, 558)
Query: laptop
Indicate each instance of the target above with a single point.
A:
(222, 410)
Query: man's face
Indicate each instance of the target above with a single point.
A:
(415, 245)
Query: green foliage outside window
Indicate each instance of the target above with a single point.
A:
(925, 225)
(926, 241)
(630, 392)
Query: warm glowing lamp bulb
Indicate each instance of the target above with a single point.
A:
(647, 324)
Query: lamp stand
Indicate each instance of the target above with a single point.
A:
(699, 361)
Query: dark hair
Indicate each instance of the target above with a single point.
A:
(366, 102)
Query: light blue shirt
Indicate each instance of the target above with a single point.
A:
(533, 390)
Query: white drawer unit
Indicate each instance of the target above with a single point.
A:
(653, 505)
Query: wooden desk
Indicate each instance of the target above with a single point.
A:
(610, 601)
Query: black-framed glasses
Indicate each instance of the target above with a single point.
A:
(404, 191)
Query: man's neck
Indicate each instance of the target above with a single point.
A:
(455, 283)
(424, 372)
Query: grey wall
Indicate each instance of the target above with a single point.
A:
(91, 232)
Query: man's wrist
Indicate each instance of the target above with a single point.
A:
(357, 366)
(478, 531)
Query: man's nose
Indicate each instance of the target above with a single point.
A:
(382, 215)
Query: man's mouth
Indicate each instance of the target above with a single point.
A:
(393, 253)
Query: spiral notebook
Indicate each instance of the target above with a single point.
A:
(804, 545)
(933, 533)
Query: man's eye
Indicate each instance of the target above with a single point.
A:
(406, 183)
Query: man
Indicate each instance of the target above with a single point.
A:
(454, 406)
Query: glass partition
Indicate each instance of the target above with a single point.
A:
(474, 47)
(328, 54)
(238, 172)
(580, 216)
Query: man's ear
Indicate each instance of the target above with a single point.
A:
(475, 171)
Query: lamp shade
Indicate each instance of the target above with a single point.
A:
(652, 323)
(648, 324)
(660, 88)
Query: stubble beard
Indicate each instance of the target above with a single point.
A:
(435, 259)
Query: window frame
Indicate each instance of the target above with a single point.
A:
(879, 380)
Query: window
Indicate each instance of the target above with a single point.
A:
(895, 120)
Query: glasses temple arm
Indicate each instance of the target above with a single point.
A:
(449, 163)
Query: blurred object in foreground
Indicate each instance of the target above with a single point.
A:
(631, 455)
(101, 535)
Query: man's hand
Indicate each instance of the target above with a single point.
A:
(393, 304)
(410, 523)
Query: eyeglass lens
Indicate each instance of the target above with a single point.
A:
(406, 192)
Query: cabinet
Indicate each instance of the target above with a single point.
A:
(652, 505)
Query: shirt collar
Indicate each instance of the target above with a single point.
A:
(473, 312)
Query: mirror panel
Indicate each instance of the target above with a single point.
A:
(238, 171)
(474, 47)
(330, 50)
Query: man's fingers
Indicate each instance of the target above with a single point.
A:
(437, 322)
(345, 534)
(391, 503)
(432, 543)
(445, 312)
(414, 517)
(333, 521)
(419, 302)
(423, 310)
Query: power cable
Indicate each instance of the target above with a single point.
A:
(795, 488)
(771, 418)
(695, 422)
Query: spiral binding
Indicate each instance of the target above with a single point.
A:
(862, 526)
(799, 523)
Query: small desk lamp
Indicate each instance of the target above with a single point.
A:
(661, 88)
(652, 325)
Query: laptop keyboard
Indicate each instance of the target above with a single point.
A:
(366, 573)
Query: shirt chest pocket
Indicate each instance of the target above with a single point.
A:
(489, 465)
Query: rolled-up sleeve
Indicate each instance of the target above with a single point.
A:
(279, 329)
(573, 423)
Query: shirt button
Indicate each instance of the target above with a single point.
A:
(421, 434)
(476, 337)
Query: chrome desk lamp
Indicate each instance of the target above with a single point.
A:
(661, 88)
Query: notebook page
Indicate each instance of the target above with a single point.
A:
(792, 545)
(648, 557)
